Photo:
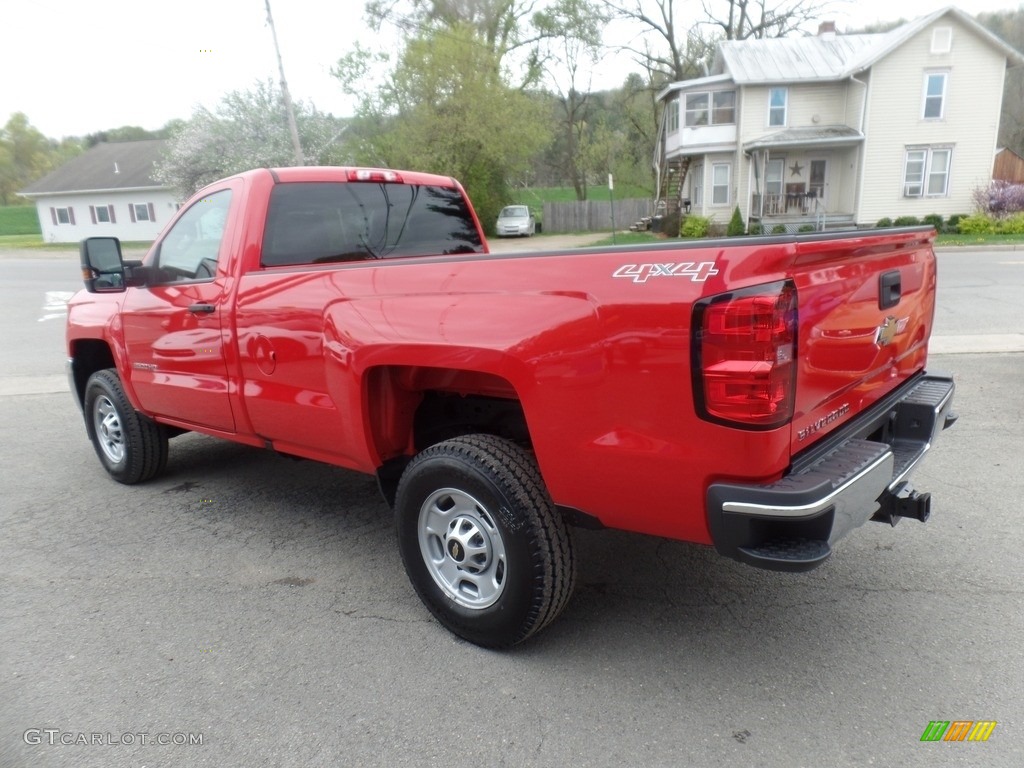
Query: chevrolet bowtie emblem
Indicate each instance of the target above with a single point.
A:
(886, 331)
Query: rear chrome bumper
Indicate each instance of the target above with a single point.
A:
(857, 474)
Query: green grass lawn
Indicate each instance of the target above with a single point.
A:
(965, 241)
(18, 220)
(973, 240)
(36, 242)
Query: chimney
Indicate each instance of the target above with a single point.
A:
(827, 30)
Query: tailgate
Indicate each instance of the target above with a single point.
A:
(866, 307)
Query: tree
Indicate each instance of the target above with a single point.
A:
(446, 108)
(248, 129)
(683, 46)
(503, 27)
(572, 32)
(25, 155)
(744, 19)
(1009, 27)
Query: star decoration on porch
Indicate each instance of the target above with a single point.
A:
(795, 169)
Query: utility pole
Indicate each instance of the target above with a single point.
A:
(299, 159)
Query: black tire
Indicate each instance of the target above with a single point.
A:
(487, 496)
(131, 447)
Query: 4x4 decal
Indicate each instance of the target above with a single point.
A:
(698, 272)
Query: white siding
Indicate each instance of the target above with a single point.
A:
(827, 101)
(164, 207)
(970, 124)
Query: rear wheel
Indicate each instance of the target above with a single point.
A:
(481, 540)
(130, 447)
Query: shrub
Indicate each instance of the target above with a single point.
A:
(806, 228)
(736, 226)
(779, 229)
(1000, 198)
(978, 224)
(755, 229)
(884, 222)
(906, 221)
(1011, 225)
(953, 223)
(695, 226)
(934, 220)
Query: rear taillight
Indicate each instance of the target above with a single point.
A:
(744, 356)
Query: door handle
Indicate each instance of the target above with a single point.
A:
(889, 289)
(201, 309)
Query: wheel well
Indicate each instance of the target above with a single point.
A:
(89, 356)
(442, 415)
(411, 408)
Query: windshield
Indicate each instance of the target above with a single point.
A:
(514, 212)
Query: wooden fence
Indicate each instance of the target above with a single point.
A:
(595, 215)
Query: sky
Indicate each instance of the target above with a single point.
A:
(78, 67)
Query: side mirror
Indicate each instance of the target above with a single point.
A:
(102, 266)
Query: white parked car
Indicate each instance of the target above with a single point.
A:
(515, 220)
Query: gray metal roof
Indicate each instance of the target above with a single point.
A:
(829, 58)
(120, 165)
(785, 59)
(818, 135)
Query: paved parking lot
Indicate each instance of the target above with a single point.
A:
(257, 604)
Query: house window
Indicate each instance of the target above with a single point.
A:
(102, 214)
(942, 39)
(778, 99)
(723, 107)
(696, 109)
(141, 212)
(697, 186)
(711, 108)
(935, 94)
(720, 173)
(926, 172)
(673, 116)
(63, 215)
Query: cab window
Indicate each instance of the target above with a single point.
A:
(191, 248)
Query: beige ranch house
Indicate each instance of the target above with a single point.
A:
(837, 130)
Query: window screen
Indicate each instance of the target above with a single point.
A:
(323, 222)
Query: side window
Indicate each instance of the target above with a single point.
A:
(778, 100)
(190, 249)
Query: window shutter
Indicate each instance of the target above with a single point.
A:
(131, 211)
(113, 220)
(53, 215)
(92, 213)
(152, 213)
(71, 214)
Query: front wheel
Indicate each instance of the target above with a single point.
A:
(130, 447)
(481, 540)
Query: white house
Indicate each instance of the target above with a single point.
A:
(838, 130)
(108, 190)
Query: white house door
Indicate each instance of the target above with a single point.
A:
(817, 187)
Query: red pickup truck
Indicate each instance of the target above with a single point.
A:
(762, 395)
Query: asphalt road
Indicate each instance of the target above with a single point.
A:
(258, 604)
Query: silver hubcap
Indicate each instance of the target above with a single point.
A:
(462, 548)
(108, 429)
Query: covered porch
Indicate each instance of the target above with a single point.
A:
(804, 178)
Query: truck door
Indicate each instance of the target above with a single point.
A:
(174, 327)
